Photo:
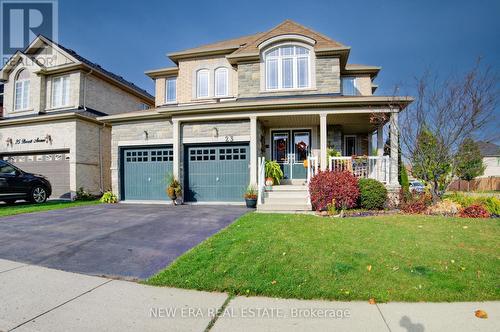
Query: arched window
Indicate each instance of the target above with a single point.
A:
(22, 90)
(221, 82)
(287, 67)
(202, 79)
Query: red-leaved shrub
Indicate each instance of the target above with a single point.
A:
(416, 203)
(474, 211)
(339, 186)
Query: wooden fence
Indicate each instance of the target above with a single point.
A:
(481, 184)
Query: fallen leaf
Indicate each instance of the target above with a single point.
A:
(452, 261)
(465, 227)
(481, 314)
(369, 268)
(273, 282)
(372, 301)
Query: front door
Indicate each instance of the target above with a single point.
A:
(289, 149)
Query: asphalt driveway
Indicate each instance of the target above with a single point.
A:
(119, 240)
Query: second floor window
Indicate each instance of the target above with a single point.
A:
(171, 90)
(349, 86)
(202, 79)
(221, 82)
(287, 67)
(22, 91)
(60, 91)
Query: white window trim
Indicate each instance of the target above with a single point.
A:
(225, 93)
(355, 144)
(22, 91)
(295, 57)
(174, 101)
(63, 103)
(198, 86)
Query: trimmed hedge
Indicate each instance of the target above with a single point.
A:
(373, 194)
(327, 186)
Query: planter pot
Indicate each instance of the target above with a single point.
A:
(251, 203)
(269, 188)
(269, 182)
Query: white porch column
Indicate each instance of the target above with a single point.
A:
(176, 131)
(394, 127)
(323, 141)
(253, 150)
(380, 141)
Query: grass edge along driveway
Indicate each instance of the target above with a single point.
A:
(389, 258)
(21, 207)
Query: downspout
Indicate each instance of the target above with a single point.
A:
(101, 180)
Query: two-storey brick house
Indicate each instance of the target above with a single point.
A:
(287, 95)
(51, 99)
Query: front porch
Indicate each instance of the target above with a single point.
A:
(304, 144)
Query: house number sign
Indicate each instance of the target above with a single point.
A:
(30, 141)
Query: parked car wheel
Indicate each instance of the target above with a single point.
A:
(38, 195)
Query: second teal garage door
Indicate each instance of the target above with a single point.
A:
(216, 173)
(145, 171)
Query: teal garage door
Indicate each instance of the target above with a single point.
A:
(216, 173)
(145, 172)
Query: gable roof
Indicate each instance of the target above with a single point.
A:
(488, 149)
(248, 46)
(323, 43)
(84, 61)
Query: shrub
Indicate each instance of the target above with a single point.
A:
(474, 211)
(108, 197)
(416, 203)
(273, 171)
(82, 195)
(373, 194)
(445, 207)
(339, 186)
(491, 203)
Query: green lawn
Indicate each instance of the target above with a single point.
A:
(412, 258)
(18, 208)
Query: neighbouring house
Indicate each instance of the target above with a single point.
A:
(490, 180)
(287, 94)
(51, 99)
(491, 158)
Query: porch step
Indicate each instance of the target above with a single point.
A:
(286, 198)
(283, 207)
(288, 187)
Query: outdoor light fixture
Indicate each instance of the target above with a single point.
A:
(145, 135)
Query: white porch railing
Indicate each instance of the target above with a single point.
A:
(312, 167)
(261, 180)
(377, 168)
(312, 170)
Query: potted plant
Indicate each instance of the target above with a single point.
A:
(251, 197)
(174, 189)
(274, 174)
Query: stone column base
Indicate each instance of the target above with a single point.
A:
(393, 196)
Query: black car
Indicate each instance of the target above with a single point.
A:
(16, 184)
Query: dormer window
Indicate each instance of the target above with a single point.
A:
(22, 91)
(202, 79)
(287, 67)
(221, 82)
(349, 87)
(171, 90)
(60, 91)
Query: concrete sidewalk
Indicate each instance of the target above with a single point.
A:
(34, 298)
